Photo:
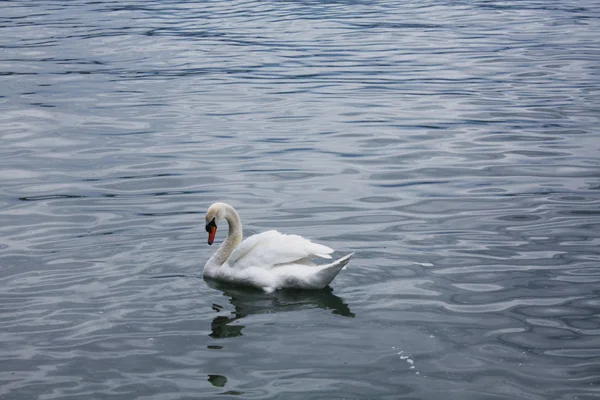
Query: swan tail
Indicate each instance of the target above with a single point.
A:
(329, 272)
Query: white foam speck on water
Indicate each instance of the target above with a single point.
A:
(424, 264)
(406, 357)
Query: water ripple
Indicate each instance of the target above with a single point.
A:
(452, 146)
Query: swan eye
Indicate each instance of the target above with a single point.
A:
(210, 225)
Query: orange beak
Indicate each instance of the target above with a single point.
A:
(212, 230)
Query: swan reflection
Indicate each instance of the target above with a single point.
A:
(248, 301)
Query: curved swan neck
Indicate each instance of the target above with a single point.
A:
(234, 222)
(234, 236)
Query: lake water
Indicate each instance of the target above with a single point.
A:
(454, 146)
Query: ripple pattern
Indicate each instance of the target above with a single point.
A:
(453, 146)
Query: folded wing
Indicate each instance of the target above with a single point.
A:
(272, 249)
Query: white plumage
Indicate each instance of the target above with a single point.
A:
(268, 260)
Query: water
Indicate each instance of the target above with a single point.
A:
(452, 145)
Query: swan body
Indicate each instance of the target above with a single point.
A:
(268, 260)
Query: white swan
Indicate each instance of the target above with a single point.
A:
(268, 260)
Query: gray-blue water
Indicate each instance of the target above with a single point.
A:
(454, 146)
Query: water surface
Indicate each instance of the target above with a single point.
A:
(452, 145)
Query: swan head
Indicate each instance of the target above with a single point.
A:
(215, 213)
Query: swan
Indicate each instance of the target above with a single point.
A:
(270, 260)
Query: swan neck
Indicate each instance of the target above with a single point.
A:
(235, 224)
(233, 239)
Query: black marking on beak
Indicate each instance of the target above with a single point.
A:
(210, 225)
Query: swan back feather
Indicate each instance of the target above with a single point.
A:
(271, 249)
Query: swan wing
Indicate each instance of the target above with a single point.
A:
(272, 249)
